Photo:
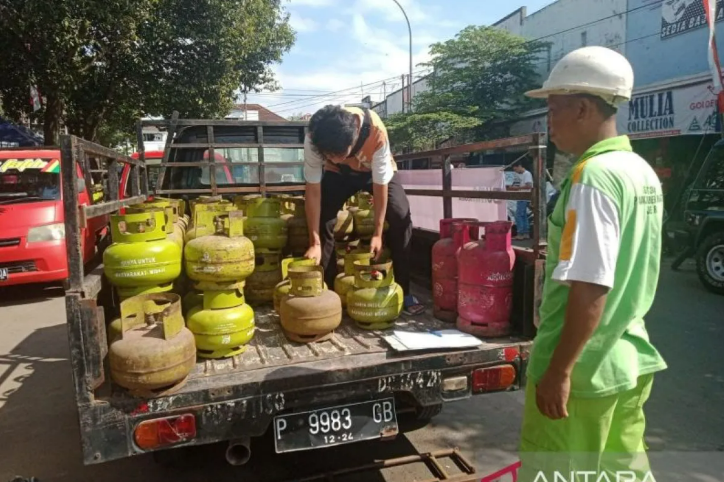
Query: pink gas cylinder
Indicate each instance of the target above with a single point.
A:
(485, 282)
(454, 234)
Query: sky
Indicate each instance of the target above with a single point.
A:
(345, 49)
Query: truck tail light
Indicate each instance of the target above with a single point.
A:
(161, 432)
(493, 378)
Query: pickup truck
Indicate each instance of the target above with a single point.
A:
(288, 388)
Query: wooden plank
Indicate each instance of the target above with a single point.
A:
(262, 169)
(224, 122)
(96, 150)
(183, 191)
(230, 164)
(466, 148)
(109, 207)
(447, 211)
(212, 159)
(68, 152)
(166, 150)
(454, 193)
(300, 187)
(235, 145)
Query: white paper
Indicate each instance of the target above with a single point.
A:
(414, 340)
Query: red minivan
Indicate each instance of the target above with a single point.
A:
(32, 233)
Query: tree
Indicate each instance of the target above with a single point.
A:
(478, 81)
(104, 64)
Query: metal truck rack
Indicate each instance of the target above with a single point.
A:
(262, 131)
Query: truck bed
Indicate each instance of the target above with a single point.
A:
(350, 346)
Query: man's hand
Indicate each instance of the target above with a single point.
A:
(376, 247)
(314, 252)
(551, 394)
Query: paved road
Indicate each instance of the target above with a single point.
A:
(39, 435)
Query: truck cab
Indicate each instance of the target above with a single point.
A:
(697, 228)
(32, 230)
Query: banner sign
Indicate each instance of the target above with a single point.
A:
(427, 211)
(680, 16)
(20, 165)
(670, 112)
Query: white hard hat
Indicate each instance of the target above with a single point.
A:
(597, 71)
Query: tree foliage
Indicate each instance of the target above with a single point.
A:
(478, 81)
(104, 64)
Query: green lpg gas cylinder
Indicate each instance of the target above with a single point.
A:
(224, 324)
(344, 227)
(341, 248)
(267, 274)
(220, 253)
(376, 300)
(151, 351)
(297, 228)
(141, 258)
(282, 288)
(173, 230)
(264, 225)
(309, 312)
(191, 300)
(345, 281)
(364, 217)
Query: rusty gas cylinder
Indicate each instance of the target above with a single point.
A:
(485, 282)
(151, 352)
(309, 312)
(454, 234)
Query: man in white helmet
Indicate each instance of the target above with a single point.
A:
(591, 367)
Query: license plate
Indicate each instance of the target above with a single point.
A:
(3, 274)
(335, 426)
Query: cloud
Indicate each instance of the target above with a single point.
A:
(335, 25)
(311, 3)
(302, 24)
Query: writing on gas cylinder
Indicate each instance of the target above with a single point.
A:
(500, 276)
(135, 274)
(138, 261)
(410, 381)
(352, 311)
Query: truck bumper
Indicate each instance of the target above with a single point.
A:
(247, 410)
(43, 262)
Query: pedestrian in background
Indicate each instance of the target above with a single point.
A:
(522, 181)
(591, 367)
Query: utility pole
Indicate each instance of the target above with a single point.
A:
(402, 91)
(409, 85)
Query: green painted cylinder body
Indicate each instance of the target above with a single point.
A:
(376, 300)
(264, 226)
(141, 257)
(223, 324)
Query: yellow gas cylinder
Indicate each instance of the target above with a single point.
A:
(376, 300)
(264, 225)
(141, 259)
(282, 288)
(309, 312)
(297, 228)
(345, 281)
(220, 253)
(267, 273)
(210, 203)
(173, 230)
(223, 324)
(287, 206)
(152, 352)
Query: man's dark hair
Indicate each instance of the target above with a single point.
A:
(607, 110)
(518, 164)
(333, 129)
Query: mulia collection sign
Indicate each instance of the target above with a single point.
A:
(651, 112)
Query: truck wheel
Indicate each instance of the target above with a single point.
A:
(710, 262)
(418, 419)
